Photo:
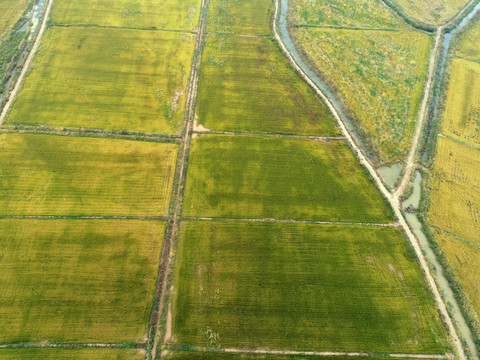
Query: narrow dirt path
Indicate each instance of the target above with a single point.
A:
(27, 64)
(177, 194)
(389, 197)
(422, 115)
(311, 353)
(291, 221)
(310, 137)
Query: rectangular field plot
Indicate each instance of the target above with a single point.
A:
(465, 260)
(283, 178)
(462, 112)
(56, 175)
(247, 85)
(249, 17)
(361, 13)
(293, 286)
(77, 280)
(72, 354)
(455, 195)
(108, 79)
(147, 14)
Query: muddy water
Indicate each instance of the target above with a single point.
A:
(443, 285)
(390, 174)
(414, 199)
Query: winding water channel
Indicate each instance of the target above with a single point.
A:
(414, 222)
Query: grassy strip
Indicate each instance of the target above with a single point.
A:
(344, 27)
(93, 133)
(399, 10)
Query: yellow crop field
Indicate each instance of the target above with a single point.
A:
(10, 11)
(57, 175)
(455, 194)
(151, 14)
(250, 17)
(77, 280)
(468, 44)
(358, 13)
(432, 11)
(465, 260)
(113, 79)
(462, 112)
(72, 354)
(379, 75)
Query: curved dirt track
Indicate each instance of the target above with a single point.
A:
(392, 199)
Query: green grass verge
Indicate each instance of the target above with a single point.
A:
(379, 75)
(77, 280)
(250, 17)
(359, 13)
(247, 85)
(57, 175)
(293, 286)
(107, 78)
(150, 14)
(272, 177)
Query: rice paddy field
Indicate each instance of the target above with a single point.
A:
(345, 13)
(77, 280)
(465, 260)
(114, 79)
(432, 11)
(57, 175)
(140, 14)
(246, 17)
(71, 354)
(246, 85)
(292, 286)
(273, 177)
(11, 11)
(462, 110)
(455, 195)
(379, 75)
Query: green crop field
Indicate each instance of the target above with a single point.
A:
(72, 354)
(468, 44)
(150, 14)
(56, 175)
(108, 79)
(465, 260)
(265, 177)
(432, 11)
(379, 75)
(10, 11)
(247, 85)
(77, 280)
(250, 17)
(345, 13)
(462, 111)
(293, 286)
(455, 195)
(189, 355)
